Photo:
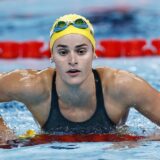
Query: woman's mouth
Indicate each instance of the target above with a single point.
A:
(73, 72)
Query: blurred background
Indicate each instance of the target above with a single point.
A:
(31, 19)
(120, 20)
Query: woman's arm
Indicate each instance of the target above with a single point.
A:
(136, 92)
(5, 132)
(25, 86)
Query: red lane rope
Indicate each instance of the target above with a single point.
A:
(112, 48)
(85, 138)
(45, 138)
(27, 49)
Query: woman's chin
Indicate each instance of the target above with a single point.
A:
(74, 81)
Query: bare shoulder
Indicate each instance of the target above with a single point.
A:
(117, 78)
(26, 72)
(20, 84)
(125, 87)
(27, 76)
(119, 82)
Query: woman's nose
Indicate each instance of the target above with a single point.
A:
(72, 59)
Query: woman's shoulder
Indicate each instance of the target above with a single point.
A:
(27, 72)
(28, 76)
(112, 78)
(107, 73)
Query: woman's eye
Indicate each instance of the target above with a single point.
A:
(62, 52)
(82, 51)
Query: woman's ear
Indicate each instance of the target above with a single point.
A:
(94, 56)
(52, 58)
(94, 53)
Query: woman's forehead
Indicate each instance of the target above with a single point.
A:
(72, 40)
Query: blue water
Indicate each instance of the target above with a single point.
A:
(31, 19)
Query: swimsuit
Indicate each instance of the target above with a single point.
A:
(98, 123)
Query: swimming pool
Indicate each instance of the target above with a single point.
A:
(19, 119)
(33, 22)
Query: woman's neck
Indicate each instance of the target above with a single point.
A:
(76, 95)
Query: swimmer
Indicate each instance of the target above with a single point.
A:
(73, 97)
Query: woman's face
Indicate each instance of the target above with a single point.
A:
(73, 55)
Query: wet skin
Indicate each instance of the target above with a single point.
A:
(73, 55)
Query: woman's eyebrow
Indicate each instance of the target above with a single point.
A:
(81, 45)
(61, 45)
